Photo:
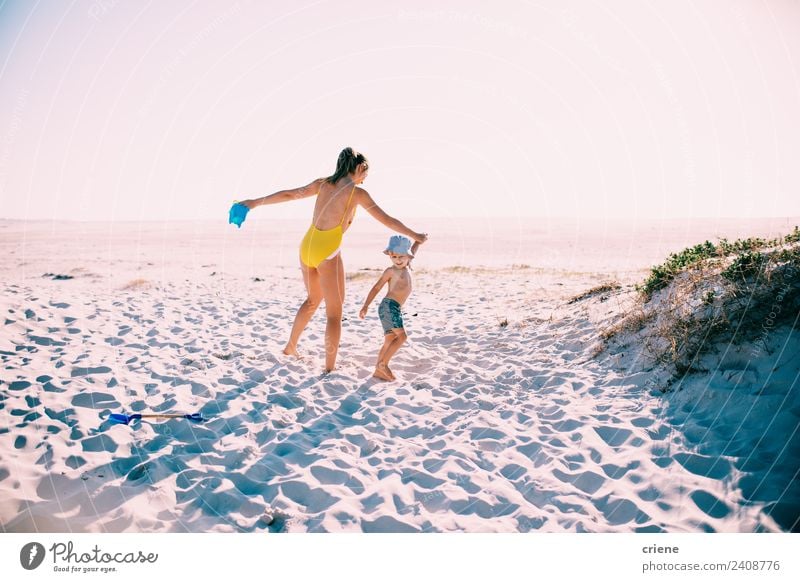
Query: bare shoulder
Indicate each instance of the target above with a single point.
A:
(317, 184)
(362, 197)
(311, 189)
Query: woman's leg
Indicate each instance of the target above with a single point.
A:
(307, 309)
(331, 279)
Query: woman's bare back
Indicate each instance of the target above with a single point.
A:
(331, 205)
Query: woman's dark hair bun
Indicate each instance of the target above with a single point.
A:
(347, 163)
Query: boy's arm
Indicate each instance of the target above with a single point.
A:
(387, 274)
(414, 248)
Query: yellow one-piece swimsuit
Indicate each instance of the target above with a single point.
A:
(319, 245)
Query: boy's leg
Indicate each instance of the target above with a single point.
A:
(382, 370)
(387, 341)
(399, 339)
(392, 320)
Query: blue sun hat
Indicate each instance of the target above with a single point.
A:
(399, 245)
(237, 214)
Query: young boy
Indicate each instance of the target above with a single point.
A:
(401, 251)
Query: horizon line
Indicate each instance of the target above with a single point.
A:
(434, 217)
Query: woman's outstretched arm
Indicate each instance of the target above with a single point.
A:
(390, 222)
(285, 195)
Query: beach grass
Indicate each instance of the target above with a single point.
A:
(731, 292)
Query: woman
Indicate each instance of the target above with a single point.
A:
(320, 257)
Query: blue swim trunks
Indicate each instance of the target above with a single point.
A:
(390, 315)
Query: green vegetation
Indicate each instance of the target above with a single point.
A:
(793, 236)
(661, 275)
(746, 265)
(730, 292)
(748, 262)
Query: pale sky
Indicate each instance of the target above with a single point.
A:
(123, 110)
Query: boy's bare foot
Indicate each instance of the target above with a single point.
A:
(382, 372)
(391, 373)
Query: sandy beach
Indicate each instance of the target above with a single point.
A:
(504, 418)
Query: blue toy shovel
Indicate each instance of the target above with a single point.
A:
(237, 214)
(127, 418)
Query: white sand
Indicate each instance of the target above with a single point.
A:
(489, 428)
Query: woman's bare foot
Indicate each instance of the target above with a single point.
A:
(382, 371)
(291, 351)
